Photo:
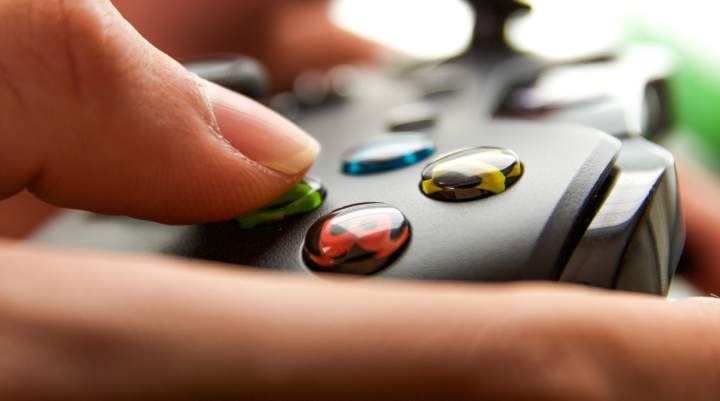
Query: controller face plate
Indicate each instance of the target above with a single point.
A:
(528, 230)
(549, 222)
(491, 239)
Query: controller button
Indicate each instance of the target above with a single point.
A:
(287, 104)
(387, 152)
(303, 198)
(312, 88)
(440, 80)
(529, 102)
(471, 173)
(411, 117)
(357, 239)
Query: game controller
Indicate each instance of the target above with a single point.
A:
(473, 170)
(490, 167)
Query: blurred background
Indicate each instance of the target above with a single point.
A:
(426, 31)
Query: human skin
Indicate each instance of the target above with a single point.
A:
(95, 117)
(700, 192)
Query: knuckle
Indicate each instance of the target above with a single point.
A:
(45, 46)
(48, 40)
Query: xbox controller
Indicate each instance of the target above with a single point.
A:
(489, 167)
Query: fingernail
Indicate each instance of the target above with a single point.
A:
(261, 134)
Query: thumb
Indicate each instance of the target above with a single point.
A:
(92, 116)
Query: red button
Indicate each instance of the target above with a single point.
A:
(357, 239)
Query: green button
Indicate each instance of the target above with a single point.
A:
(302, 198)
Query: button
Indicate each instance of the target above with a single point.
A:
(441, 80)
(286, 104)
(343, 80)
(357, 239)
(560, 88)
(312, 88)
(471, 174)
(529, 101)
(302, 198)
(655, 114)
(388, 152)
(411, 117)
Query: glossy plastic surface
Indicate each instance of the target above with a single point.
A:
(471, 173)
(357, 239)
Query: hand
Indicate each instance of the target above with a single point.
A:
(101, 120)
(94, 117)
(700, 192)
(289, 36)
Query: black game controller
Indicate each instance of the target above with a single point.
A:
(475, 169)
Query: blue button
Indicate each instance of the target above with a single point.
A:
(412, 117)
(388, 152)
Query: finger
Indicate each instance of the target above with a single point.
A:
(303, 37)
(22, 214)
(287, 36)
(94, 117)
(82, 326)
(190, 27)
(700, 190)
